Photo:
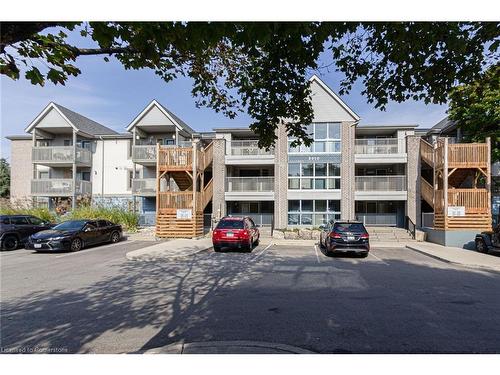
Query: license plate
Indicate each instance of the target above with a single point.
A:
(38, 246)
(350, 238)
(229, 234)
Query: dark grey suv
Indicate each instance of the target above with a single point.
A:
(15, 229)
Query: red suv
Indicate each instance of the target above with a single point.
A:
(239, 232)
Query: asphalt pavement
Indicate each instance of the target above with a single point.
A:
(394, 301)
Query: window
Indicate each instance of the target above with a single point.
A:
(102, 223)
(67, 142)
(35, 221)
(313, 212)
(326, 138)
(43, 175)
(19, 220)
(318, 176)
(130, 177)
(6, 221)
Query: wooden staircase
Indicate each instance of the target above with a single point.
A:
(179, 214)
(462, 178)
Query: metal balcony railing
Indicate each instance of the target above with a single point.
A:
(244, 184)
(389, 219)
(380, 183)
(379, 146)
(60, 154)
(144, 186)
(144, 153)
(248, 148)
(60, 187)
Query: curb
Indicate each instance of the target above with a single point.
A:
(180, 348)
(475, 266)
(431, 255)
(146, 257)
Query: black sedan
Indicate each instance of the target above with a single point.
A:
(74, 235)
(345, 237)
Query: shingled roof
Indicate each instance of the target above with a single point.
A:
(84, 123)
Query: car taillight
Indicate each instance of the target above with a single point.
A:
(365, 236)
(335, 235)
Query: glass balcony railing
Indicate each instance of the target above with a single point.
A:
(379, 146)
(248, 148)
(380, 183)
(249, 184)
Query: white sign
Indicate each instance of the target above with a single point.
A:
(183, 213)
(456, 211)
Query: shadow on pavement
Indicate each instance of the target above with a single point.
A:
(334, 307)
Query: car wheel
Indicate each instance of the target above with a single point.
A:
(481, 246)
(217, 249)
(363, 255)
(10, 243)
(115, 237)
(76, 244)
(248, 248)
(256, 243)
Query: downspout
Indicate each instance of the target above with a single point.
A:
(102, 169)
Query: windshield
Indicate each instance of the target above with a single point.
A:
(349, 227)
(71, 225)
(230, 224)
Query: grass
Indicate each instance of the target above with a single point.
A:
(129, 220)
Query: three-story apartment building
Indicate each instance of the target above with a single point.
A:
(366, 172)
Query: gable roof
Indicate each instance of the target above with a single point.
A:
(442, 126)
(323, 85)
(181, 125)
(75, 120)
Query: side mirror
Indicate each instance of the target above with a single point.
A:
(87, 229)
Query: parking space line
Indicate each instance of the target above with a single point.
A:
(376, 257)
(101, 248)
(262, 252)
(316, 251)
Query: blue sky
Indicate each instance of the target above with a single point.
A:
(113, 96)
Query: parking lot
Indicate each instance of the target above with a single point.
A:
(393, 301)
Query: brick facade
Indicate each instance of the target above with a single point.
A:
(21, 169)
(413, 179)
(281, 178)
(219, 176)
(347, 171)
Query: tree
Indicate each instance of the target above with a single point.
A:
(261, 68)
(475, 108)
(4, 178)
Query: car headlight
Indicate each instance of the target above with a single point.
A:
(58, 238)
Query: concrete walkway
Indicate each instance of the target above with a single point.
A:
(228, 347)
(456, 255)
(171, 249)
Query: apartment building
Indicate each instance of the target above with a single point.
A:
(160, 165)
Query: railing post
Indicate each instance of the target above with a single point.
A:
(445, 182)
(73, 201)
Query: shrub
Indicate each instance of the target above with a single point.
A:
(26, 208)
(128, 219)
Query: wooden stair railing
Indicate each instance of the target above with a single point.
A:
(427, 152)
(207, 193)
(427, 192)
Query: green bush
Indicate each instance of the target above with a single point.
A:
(26, 208)
(129, 220)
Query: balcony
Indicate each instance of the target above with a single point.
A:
(144, 186)
(59, 187)
(144, 154)
(248, 152)
(258, 184)
(376, 150)
(63, 156)
(249, 188)
(380, 187)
